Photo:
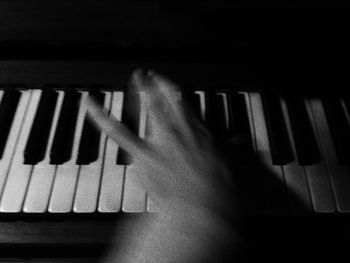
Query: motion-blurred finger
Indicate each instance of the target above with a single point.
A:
(113, 128)
(170, 91)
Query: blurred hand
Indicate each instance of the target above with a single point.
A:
(186, 177)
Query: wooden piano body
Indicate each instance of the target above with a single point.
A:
(99, 44)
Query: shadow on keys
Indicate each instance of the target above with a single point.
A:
(276, 225)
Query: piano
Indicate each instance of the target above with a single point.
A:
(65, 186)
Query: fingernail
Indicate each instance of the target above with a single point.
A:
(149, 77)
(150, 73)
(137, 78)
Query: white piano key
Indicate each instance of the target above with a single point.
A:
(62, 195)
(86, 196)
(134, 196)
(19, 173)
(43, 173)
(317, 174)
(339, 174)
(275, 195)
(111, 192)
(295, 174)
(13, 136)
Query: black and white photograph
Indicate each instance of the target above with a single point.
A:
(150, 131)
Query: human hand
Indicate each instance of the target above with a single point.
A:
(186, 177)
(179, 154)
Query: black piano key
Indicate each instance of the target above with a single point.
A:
(90, 136)
(248, 175)
(193, 100)
(238, 115)
(61, 150)
(210, 114)
(8, 108)
(281, 150)
(130, 117)
(303, 134)
(339, 127)
(215, 114)
(40, 131)
(239, 126)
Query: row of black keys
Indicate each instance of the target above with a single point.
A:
(215, 117)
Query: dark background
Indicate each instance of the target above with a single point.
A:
(303, 41)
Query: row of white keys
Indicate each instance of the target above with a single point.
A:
(63, 190)
(317, 174)
(110, 199)
(275, 194)
(13, 136)
(43, 173)
(295, 174)
(19, 173)
(87, 191)
(339, 174)
(134, 196)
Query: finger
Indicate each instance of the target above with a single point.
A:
(168, 113)
(179, 114)
(114, 129)
(158, 119)
(169, 90)
(137, 79)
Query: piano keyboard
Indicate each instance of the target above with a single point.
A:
(53, 161)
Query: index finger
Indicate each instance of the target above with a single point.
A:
(126, 139)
